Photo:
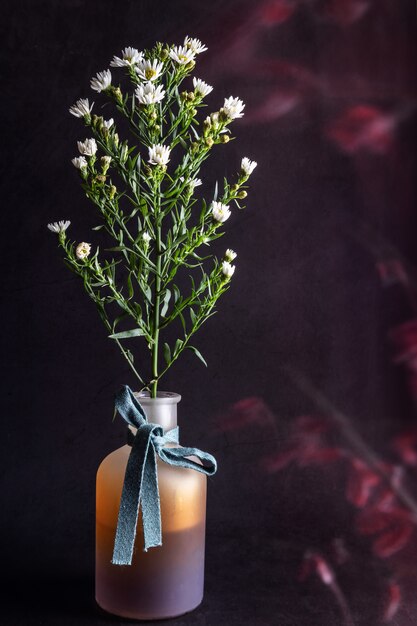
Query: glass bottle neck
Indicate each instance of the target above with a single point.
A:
(161, 410)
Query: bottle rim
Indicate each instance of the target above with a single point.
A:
(162, 397)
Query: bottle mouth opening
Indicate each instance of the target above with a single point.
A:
(162, 397)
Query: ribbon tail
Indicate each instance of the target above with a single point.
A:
(135, 476)
(150, 503)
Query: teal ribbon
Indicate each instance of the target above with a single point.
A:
(140, 487)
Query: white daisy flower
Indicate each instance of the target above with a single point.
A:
(149, 94)
(182, 55)
(59, 227)
(201, 88)
(81, 108)
(230, 255)
(195, 45)
(101, 81)
(82, 250)
(227, 269)
(108, 123)
(149, 70)
(247, 166)
(88, 147)
(130, 56)
(79, 162)
(159, 154)
(146, 237)
(233, 107)
(220, 211)
(195, 182)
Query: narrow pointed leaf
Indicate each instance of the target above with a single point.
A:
(126, 334)
(198, 354)
(167, 354)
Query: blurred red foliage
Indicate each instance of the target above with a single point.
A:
(344, 12)
(363, 127)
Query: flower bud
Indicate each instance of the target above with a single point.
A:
(242, 194)
(223, 117)
(123, 153)
(224, 138)
(105, 163)
(112, 192)
(117, 94)
(97, 121)
(209, 142)
(82, 250)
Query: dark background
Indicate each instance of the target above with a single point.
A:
(325, 271)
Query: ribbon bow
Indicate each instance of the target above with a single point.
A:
(140, 487)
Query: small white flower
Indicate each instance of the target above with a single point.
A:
(227, 269)
(195, 45)
(195, 182)
(201, 88)
(182, 55)
(233, 107)
(149, 70)
(82, 250)
(79, 162)
(220, 211)
(59, 227)
(88, 147)
(149, 94)
(159, 154)
(108, 123)
(101, 81)
(247, 166)
(146, 237)
(81, 108)
(130, 56)
(230, 255)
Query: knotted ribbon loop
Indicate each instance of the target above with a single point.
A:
(140, 487)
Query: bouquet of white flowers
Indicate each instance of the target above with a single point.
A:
(146, 195)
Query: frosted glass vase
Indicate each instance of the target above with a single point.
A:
(168, 580)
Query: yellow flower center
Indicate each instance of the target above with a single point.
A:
(150, 73)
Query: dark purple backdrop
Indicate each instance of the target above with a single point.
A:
(325, 273)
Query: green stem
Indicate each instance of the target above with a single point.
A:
(157, 299)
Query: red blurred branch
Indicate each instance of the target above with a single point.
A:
(354, 439)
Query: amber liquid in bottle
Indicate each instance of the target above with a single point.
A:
(167, 580)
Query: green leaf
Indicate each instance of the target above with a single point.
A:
(198, 354)
(167, 354)
(193, 316)
(130, 286)
(166, 300)
(177, 293)
(147, 292)
(178, 345)
(126, 334)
